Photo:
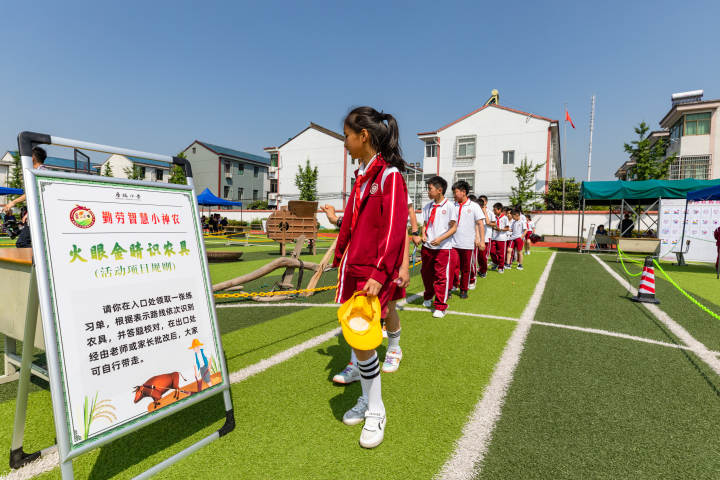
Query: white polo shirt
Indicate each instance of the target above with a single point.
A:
(516, 229)
(489, 232)
(499, 235)
(468, 214)
(444, 214)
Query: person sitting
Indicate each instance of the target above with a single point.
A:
(627, 226)
(601, 236)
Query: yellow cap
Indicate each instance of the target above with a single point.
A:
(195, 343)
(360, 321)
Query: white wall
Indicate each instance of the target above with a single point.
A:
(118, 164)
(496, 130)
(551, 223)
(325, 152)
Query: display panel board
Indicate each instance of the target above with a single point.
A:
(132, 307)
(701, 221)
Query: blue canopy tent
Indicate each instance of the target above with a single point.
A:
(208, 199)
(11, 191)
(709, 193)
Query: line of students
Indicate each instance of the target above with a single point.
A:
(457, 237)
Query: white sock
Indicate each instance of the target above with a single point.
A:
(394, 339)
(370, 381)
(353, 357)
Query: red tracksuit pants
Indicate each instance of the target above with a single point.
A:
(464, 258)
(483, 259)
(437, 275)
(497, 253)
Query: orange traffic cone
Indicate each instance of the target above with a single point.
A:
(646, 290)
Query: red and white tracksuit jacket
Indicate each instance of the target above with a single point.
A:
(371, 242)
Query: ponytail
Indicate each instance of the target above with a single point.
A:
(383, 130)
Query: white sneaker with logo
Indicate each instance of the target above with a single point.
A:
(374, 430)
(349, 375)
(427, 303)
(392, 360)
(438, 313)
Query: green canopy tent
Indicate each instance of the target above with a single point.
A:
(631, 195)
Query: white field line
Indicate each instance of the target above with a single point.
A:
(701, 350)
(477, 432)
(50, 458)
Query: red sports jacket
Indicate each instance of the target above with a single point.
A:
(374, 247)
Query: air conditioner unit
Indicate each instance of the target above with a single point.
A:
(228, 174)
(273, 196)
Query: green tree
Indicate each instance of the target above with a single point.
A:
(134, 173)
(16, 178)
(524, 195)
(177, 173)
(107, 171)
(306, 182)
(553, 197)
(259, 205)
(650, 161)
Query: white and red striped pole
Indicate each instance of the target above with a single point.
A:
(646, 290)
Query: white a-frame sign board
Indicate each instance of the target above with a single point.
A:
(131, 333)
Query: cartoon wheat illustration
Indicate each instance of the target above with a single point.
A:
(93, 410)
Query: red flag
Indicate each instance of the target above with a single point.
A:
(568, 119)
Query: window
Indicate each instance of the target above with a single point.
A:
(158, 174)
(466, 146)
(227, 167)
(256, 170)
(273, 186)
(509, 157)
(431, 148)
(240, 194)
(241, 168)
(226, 191)
(676, 131)
(255, 195)
(142, 173)
(273, 159)
(194, 150)
(690, 166)
(697, 124)
(469, 177)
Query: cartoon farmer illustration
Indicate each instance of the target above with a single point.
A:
(204, 368)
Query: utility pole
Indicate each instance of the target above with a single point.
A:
(592, 124)
(564, 152)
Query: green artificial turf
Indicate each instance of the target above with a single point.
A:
(589, 406)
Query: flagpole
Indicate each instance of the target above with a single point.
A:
(562, 216)
(592, 124)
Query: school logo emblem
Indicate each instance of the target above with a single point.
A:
(82, 217)
(444, 212)
(374, 188)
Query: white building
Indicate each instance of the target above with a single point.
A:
(151, 170)
(694, 126)
(484, 147)
(325, 150)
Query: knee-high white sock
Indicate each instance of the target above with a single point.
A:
(394, 339)
(370, 380)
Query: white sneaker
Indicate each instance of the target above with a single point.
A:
(357, 413)
(438, 313)
(374, 430)
(520, 267)
(427, 303)
(472, 286)
(501, 270)
(349, 375)
(384, 330)
(455, 289)
(392, 360)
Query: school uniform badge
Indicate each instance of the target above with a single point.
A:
(374, 188)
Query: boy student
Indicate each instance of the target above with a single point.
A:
(440, 224)
(517, 232)
(468, 235)
(371, 245)
(490, 220)
(476, 250)
(499, 240)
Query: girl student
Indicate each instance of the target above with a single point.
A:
(371, 244)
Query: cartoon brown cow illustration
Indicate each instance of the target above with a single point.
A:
(155, 387)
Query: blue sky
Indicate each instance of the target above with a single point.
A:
(156, 75)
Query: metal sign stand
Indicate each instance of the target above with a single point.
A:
(40, 294)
